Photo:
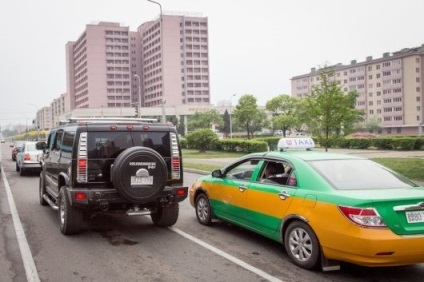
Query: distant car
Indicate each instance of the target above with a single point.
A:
(27, 158)
(15, 148)
(323, 207)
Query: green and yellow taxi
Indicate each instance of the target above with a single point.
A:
(323, 207)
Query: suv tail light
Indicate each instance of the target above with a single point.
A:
(82, 162)
(365, 217)
(175, 157)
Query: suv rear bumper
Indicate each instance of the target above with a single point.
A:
(86, 198)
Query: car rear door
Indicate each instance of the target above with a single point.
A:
(267, 203)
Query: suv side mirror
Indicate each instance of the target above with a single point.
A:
(40, 145)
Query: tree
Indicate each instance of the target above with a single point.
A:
(284, 110)
(205, 119)
(331, 112)
(202, 139)
(248, 115)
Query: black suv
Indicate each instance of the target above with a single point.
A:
(128, 166)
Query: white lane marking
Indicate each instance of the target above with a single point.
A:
(30, 268)
(229, 257)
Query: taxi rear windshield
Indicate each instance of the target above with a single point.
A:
(110, 144)
(359, 174)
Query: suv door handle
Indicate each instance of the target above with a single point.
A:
(283, 195)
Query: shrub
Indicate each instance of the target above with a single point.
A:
(360, 143)
(183, 142)
(404, 144)
(383, 143)
(202, 139)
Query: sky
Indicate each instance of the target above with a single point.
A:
(255, 47)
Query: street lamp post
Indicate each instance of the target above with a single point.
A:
(162, 45)
(231, 125)
(139, 94)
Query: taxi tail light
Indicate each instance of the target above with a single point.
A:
(365, 217)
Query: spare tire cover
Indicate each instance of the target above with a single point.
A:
(139, 174)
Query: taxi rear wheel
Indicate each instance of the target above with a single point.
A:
(302, 245)
(203, 210)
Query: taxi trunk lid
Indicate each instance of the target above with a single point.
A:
(401, 209)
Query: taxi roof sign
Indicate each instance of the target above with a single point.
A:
(295, 143)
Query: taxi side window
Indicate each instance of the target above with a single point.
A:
(242, 171)
(276, 173)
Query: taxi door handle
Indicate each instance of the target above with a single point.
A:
(283, 195)
(242, 188)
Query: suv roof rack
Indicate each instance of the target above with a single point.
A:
(108, 120)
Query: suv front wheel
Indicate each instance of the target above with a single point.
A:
(70, 218)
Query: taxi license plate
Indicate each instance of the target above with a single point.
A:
(137, 180)
(415, 216)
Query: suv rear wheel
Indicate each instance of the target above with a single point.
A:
(70, 218)
(166, 216)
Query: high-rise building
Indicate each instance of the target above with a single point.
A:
(44, 118)
(390, 89)
(98, 67)
(164, 61)
(175, 61)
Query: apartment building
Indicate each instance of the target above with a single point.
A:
(98, 67)
(57, 108)
(164, 61)
(390, 89)
(175, 61)
(44, 118)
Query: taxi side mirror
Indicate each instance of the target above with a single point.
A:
(217, 173)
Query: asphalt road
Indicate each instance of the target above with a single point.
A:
(133, 249)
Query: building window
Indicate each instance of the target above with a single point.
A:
(417, 60)
(418, 89)
(399, 130)
(417, 70)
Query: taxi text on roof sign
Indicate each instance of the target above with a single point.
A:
(295, 143)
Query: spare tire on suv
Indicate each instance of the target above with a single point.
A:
(139, 174)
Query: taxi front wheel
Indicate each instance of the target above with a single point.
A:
(302, 245)
(203, 210)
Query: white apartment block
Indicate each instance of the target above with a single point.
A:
(390, 89)
(44, 118)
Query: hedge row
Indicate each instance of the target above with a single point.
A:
(382, 143)
(262, 144)
(234, 145)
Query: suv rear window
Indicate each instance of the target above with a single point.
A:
(111, 144)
